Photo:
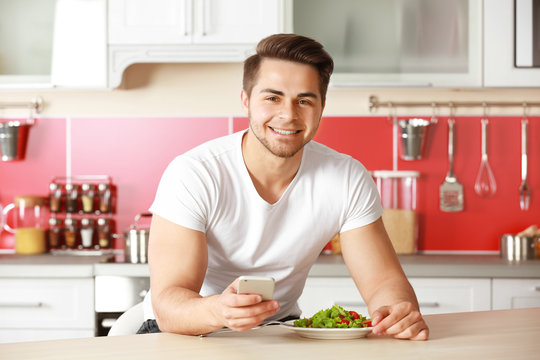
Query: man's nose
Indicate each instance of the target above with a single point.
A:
(288, 110)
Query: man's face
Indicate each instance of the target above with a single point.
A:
(284, 107)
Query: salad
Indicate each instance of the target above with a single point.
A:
(335, 317)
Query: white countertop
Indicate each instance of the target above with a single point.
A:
(479, 266)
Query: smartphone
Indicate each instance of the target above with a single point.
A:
(261, 285)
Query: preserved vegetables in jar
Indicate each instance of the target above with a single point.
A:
(55, 233)
(104, 198)
(87, 233)
(70, 233)
(104, 233)
(72, 198)
(87, 197)
(55, 197)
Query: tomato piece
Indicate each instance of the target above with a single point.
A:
(354, 315)
(367, 322)
(344, 321)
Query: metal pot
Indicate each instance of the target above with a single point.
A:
(517, 248)
(136, 241)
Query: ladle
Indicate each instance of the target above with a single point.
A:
(485, 184)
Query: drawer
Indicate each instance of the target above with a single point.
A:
(47, 303)
(435, 296)
(516, 293)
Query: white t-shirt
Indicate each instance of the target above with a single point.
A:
(209, 189)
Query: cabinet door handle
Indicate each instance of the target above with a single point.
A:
(29, 304)
(346, 304)
(425, 304)
(429, 304)
(204, 15)
(537, 288)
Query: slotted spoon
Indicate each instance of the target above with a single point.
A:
(451, 191)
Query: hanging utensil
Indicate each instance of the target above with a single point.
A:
(451, 191)
(524, 192)
(485, 185)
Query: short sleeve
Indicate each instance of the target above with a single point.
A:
(364, 203)
(182, 195)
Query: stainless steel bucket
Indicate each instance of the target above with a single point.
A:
(413, 138)
(518, 248)
(136, 242)
(13, 138)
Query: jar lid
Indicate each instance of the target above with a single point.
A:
(54, 186)
(70, 222)
(87, 222)
(55, 221)
(103, 186)
(86, 187)
(102, 221)
(386, 174)
(29, 201)
(71, 186)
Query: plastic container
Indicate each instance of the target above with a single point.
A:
(398, 191)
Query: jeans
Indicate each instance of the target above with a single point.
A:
(150, 326)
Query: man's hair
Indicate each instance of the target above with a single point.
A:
(291, 47)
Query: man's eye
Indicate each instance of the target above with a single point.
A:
(272, 98)
(304, 102)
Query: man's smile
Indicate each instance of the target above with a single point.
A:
(284, 132)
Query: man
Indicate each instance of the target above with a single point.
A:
(265, 202)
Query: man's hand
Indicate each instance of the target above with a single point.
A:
(402, 321)
(242, 312)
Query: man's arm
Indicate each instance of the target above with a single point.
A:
(375, 268)
(178, 258)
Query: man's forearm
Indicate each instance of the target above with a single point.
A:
(392, 291)
(183, 311)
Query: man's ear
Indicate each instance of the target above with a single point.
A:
(244, 100)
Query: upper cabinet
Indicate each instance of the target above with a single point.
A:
(187, 30)
(397, 43)
(53, 43)
(500, 32)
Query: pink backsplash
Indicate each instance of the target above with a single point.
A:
(134, 151)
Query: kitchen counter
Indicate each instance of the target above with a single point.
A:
(478, 266)
(500, 334)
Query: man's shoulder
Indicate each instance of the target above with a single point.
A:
(324, 153)
(215, 148)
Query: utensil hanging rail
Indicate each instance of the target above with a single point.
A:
(36, 105)
(374, 104)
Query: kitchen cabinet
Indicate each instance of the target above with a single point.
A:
(187, 31)
(64, 47)
(33, 309)
(396, 43)
(499, 62)
(435, 295)
(515, 293)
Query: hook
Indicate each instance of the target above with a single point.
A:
(484, 107)
(452, 109)
(435, 113)
(525, 110)
(391, 112)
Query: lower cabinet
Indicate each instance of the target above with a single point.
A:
(34, 309)
(516, 293)
(435, 295)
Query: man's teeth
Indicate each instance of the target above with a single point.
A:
(285, 132)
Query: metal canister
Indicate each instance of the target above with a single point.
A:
(136, 241)
(518, 248)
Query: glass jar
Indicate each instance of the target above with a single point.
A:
(55, 233)
(29, 224)
(71, 238)
(55, 197)
(104, 199)
(87, 233)
(72, 198)
(87, 197)
(398, 197)
(104, 233)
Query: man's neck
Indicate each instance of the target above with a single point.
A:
(270, 174)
